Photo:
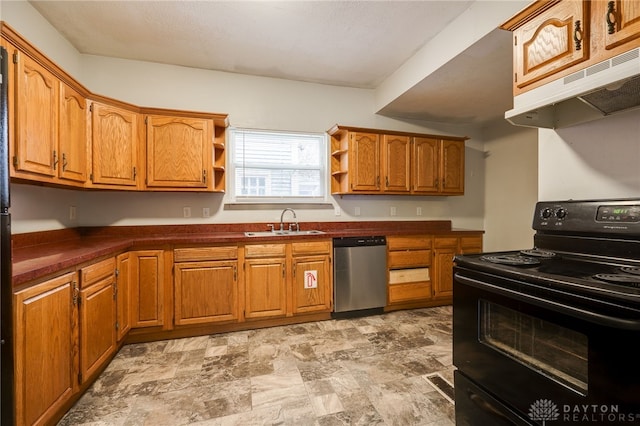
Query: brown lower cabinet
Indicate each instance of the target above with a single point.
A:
(148, 288)
(65, 333)
(123, 296)
(79, 319)
(45, 333)
(97, 311)
(283, 280)
(205, 285)
(420, 268)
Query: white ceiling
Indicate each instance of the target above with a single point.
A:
(345, 43)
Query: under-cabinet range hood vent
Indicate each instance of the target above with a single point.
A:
(606, 88)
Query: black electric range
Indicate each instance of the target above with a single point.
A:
(543, 332)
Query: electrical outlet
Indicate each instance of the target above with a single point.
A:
(206, 212)
(418, 211)
(356, 211)
(186, 211)
(337, 210)
(392, 211)
(72, 212)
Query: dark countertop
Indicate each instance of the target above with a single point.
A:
(42, 254)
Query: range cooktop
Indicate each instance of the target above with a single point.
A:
(617, 279)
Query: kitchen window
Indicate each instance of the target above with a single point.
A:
(270, 166)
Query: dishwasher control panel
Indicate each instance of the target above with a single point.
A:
(375, 240)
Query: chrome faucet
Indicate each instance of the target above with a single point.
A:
(294, 216)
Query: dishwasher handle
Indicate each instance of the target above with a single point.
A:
(376, 240)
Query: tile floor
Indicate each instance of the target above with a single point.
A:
(391, 369)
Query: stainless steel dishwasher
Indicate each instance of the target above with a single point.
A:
(359, 275)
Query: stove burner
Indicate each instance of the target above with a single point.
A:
(543, 254)
(633, 270)
(511, 259)
(633, 280)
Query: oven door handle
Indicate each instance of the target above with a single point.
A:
(594, 317)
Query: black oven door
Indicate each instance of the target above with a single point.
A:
(545, 355)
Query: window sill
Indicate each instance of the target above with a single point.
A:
(276, 205)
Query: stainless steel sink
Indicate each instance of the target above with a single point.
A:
(278, 233)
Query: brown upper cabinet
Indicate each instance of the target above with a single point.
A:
(369, 161)
(63, 135)
(49, 140)
(114, 144)
(178, 152)
(552, 39)
(185, 150)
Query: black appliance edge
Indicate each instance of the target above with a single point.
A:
(7, 410)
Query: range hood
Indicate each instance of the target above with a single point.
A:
(605, 88)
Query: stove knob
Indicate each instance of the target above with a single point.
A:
(561, 213)
(546, 213)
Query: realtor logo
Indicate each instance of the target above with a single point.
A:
(543, 410)
(546, 410)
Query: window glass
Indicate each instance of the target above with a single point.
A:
(278, 165)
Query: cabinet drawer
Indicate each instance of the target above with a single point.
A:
(405, 276)
(445, 242)
(471, 244)
(404, 259)
(409, 292)
(205, 253)
(92, 273)
(311, 247)
(409, 242)
(265, 250)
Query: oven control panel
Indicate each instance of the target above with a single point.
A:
(590, 216)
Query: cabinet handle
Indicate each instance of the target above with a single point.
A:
(283, 272)
(436, 183)
(577, 35)
(55, 160)
(204, 176)
(235, 273)
(64, 162)
(135, 173)
(294, 270)
(386, 181)
(611, 17)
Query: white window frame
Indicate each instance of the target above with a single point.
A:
(288, 200)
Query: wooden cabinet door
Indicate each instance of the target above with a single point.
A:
(179, 152)
(312, 286)
(206, 292)
(471, 244)
(364, 161)
(123, 296)
(97, 326)
(547, 43)
(44, 347)
(620, 23)
(147, 283)
(72, 158)
(37, 118)
(114, 145)
(396, 163)
(452, 164)
(265, 288)
(97, 316)
(425, 166)
(445, 249)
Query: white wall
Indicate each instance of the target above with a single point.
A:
(511, 186)
(595, 160)
(255, 102)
